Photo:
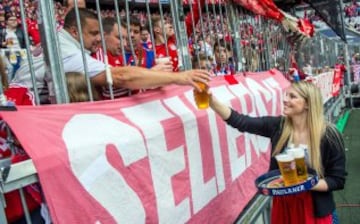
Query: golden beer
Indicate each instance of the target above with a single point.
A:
(202, 98)
(287, 168)
(301, 169)
(10, 42)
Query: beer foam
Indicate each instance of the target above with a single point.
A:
(284, 158)
(296, 152)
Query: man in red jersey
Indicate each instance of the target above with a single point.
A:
(72, 58)
(159, 36)
(113, 52)
(142, 56)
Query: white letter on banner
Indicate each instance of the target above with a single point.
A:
(237, 163)
(276, 93)
(202, 193)
(260, 143)
(86, 137)
(164, 162)
(257, 90)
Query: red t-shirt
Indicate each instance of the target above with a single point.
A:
(171, 42)
(174, 58)
(33, 31)
(114, 61)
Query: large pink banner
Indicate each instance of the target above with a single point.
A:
(150, 158)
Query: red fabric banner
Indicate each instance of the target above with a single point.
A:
(150, 158)
(338, 75)
(265, 8)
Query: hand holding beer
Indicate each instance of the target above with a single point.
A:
(287, 168)
(202, 98)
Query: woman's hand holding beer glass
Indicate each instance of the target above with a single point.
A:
(202, 98)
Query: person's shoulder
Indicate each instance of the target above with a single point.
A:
(333, 137)
(331, 129)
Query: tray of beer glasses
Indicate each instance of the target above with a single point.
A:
(272, 184)
(292, 177)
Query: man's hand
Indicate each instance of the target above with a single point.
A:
(166, 67)
(190, 77)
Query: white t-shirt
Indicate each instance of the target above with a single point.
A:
(11, 35)
(71, 57)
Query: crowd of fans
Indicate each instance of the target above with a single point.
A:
(202, 38)
(352, 15)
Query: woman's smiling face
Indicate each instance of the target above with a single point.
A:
(294, 103)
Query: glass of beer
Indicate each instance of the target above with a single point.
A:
(202, 98)
(10, 42)
(301, 169)
(287, 168)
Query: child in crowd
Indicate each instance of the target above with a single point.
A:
(223, 58)
(202, 61)
(78, 89)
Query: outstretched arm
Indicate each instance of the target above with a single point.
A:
(265, 126)
(221, 109)
(133, 77)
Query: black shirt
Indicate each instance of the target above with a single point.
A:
(331, 147)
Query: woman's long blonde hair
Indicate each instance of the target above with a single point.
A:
(315, 122)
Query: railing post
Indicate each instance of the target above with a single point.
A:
(235, 35)
(177, 12)
(51, 49)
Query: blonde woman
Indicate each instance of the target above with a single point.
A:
(302, 122)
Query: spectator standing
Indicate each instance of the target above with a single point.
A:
(159, 36)
(145, 37)
(114, 52)
(12, 36)
(223, 58)
(144, 57)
